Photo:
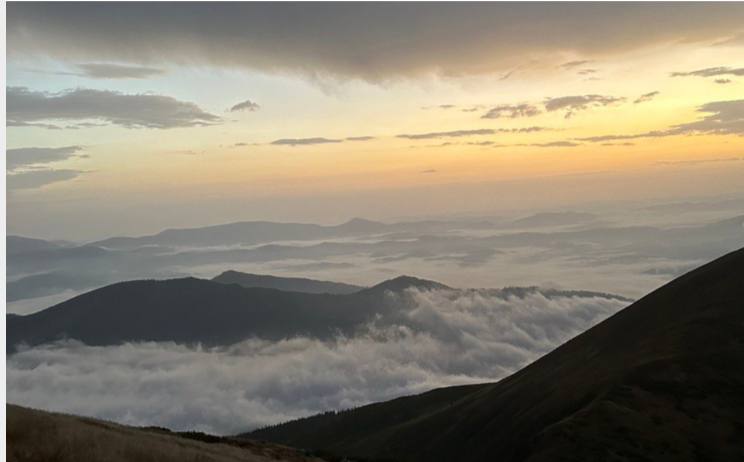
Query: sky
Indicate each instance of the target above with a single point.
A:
(126, 119)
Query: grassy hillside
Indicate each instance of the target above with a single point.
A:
(37, 436)
(661, 380)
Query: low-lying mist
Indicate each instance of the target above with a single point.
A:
(442, 338)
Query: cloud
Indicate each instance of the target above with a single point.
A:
(32, 179)
(118, 71)
(452, 134)
(346, 41)
(734, 41)
(15, 123)
(722, 81)
(246, 105)
(723, 118)
(573, 104)
(24, 157)
(573, 64)
(431, 170)
(476, 132)
(693, 162)
(710, 72)
(438, 338)
(441, 106)
(359, 138)
(553, 144)
(303, 141)
(107, 71)
(143, 110)
(512, 111)
(646, 97)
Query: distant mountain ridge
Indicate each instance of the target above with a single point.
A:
(246, 233)
(661, 380)
(289, 284)
(19, 244)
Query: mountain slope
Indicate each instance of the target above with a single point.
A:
(309, 286)
(44, 436)
(194, 310)
(660, 380)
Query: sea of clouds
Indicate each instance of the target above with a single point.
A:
(443, 338)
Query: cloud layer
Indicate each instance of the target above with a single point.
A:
(347, 40)
(24, 157)
(25, 106)
(442, 338)
(721, 118)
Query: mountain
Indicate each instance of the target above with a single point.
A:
(18, 244)
(246, 233)
(310, 286)
(554, 219)
(661, 380)
(44, 436)
(40, 285)
(403, 282)
(191, 310)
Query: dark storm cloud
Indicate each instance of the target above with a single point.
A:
(247, 105)
(722, 118)
(374, 42)
(127, 110)
(646, 97)
(711, 72)
(512, 111)
(574, 104)
(23, 157)
(303, 141)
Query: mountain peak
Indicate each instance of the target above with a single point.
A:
(401, 283)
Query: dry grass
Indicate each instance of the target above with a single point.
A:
(37, 436)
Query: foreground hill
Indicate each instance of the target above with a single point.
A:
(661, 380)
(309, 286)
(37, 436)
